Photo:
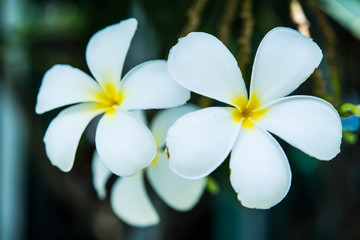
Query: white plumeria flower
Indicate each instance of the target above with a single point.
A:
(200, 141)
(129, 199)
(123, 142)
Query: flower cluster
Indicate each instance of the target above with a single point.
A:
(128, 195)
(199, 141)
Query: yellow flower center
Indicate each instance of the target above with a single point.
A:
(156, 158)
(248, 110)
(109, 98)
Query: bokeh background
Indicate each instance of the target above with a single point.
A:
(38, 201)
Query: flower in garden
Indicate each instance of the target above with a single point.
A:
(129, 199)
(123, 142)
(200, 141)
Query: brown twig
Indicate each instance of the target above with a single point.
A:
(244, 40)
(227, 20)
(194, 17)
(330, 47)
(299, 18)
(297, 15)
(319, 85)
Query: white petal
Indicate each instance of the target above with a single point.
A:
(201, 63)
(284, 60)
(149, 86)
(164, 119)
(101, 175)
(260, 172)
(179, 193)
(124, 143)
(131, 203)
(199, 141)
(63, 85)
(63, 134)
(308, 123)
(139, 114)
(107, 49)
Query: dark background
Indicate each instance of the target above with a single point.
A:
(38, 201)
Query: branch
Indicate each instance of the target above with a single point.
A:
(227, 20)
(244, 40)
(331, 42)
(194, 17)
(298, 17)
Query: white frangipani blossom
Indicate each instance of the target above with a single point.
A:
(259, 170)
(123, 142)
(129, 199)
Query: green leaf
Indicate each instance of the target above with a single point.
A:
(212, 186)
(345, 12)
(348, 109)
(350, 137)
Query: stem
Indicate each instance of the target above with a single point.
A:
(331, 42)
(227, 20)
(246, 16)
(194, 17)
(297, 15)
